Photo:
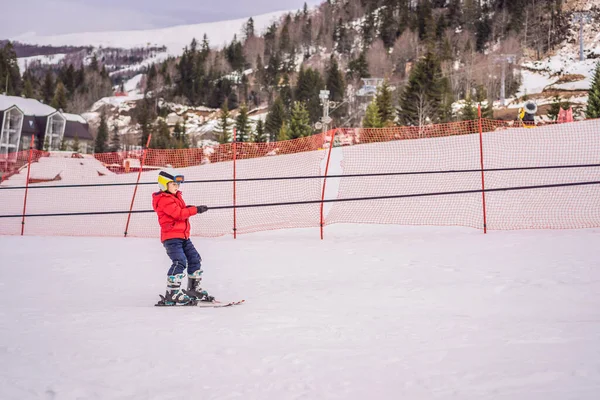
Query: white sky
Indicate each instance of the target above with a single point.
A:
(51, 17)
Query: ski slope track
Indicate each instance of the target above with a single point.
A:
(378, 312)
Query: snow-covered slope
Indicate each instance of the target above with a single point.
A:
(174, 38)
(373, 312)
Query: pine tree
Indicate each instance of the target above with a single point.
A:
(60, 97)
(285, 92)
(336, 86)
(63, 145)
(372, 119)
(180, 137)
(275, 119)
(283, 133)
(102, 136)
(421, 101)
(115, 140)
(161, 139)
(307, 90)
(28, 89)
(46, 143)
(249, 29)
(10, 76)
(75, 144)
(48, 88)
(593, 106)
(242, 124)
(260, 136)
(469, 111)
(223, 127)
(299, 122)
(385, 104)
(358, 68)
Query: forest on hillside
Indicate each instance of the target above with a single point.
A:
(430, 54)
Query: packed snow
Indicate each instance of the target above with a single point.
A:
(381, 312)
(174, 38)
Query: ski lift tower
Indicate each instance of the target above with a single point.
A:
(583, 17)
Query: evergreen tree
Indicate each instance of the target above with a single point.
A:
(299, 122)
(59, 101)
(63, 145)
(10, 76)
(161, 139)
(115, 140)
(307, 90)
(275, 119)
(335, 81)
(283, 133)
(469, 111)
(593, 106)
(260, 136)
(242, 124)
(180, 137)
(372, 119)
(75, 144)
(102, 136)
(249, 29)
(385, 104)
(224, 127)
(48, 88)
(46, 143)
(28, 89)
(358, 68)
(422, 97)
(285, 93)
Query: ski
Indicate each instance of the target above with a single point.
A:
(195, 303)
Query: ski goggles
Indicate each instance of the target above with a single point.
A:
(178, 179)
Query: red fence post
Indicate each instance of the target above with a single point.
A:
(482, 173)
(27, 185)
(138, 181)
(234, 146)
(325, 178)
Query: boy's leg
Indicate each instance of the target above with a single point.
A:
(194, 273)
(177, 255)
(193, 258)
(176, 274)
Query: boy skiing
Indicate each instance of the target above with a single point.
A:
(173, 217)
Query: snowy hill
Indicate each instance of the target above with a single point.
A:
(174, 38)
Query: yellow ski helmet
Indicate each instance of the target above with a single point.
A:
(164, 177)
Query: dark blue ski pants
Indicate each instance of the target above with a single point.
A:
(183, 253)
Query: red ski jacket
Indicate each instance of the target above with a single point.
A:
(173, 215)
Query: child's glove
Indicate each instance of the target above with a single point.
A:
(201, 209)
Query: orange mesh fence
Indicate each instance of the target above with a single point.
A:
(573, 148)
(541, 177)
(411, 158)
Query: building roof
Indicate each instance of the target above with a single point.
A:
(75, 118)
(75, 128)
(28, 106)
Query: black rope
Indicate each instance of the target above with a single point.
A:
(291, 203)
(313, 176)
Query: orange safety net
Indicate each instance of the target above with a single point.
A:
(414, 175)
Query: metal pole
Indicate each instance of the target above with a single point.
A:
(137, 182)
(27, 185)
(581, 40)
(503, 84)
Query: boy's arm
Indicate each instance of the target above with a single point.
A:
(172, 209)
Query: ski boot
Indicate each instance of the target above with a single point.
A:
(175, 296)
(194, 291)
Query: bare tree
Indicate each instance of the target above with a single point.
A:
(380, 65)
(404, 50)
(253, 47)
